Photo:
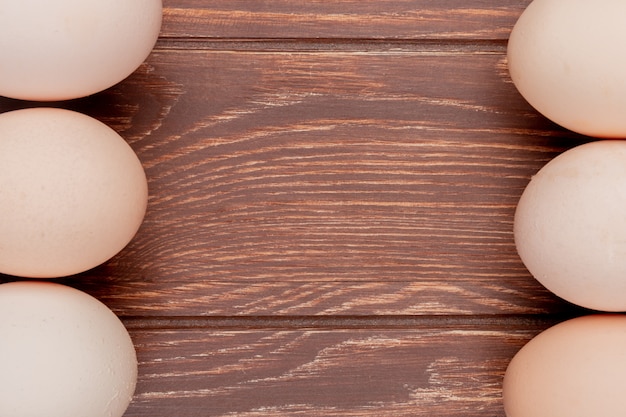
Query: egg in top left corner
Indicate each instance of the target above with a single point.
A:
(73, 193)
(66, 49)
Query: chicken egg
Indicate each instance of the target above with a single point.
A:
(575, 368)
(72, 193)
(564, 58)
(64, 49)
(63, 353)
(570, 225)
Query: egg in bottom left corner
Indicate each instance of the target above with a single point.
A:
(63, 353)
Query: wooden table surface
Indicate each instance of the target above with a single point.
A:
(332, 191)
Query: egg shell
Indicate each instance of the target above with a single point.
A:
(64, 49)
(565, 58)
(570, 225)
(63, 353)
(575, 368)
(72, 193)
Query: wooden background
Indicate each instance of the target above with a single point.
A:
(332, 191)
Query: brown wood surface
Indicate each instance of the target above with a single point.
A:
(332, 190)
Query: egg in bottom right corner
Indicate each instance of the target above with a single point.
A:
(575, 368)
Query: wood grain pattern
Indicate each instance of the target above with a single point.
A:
(332, 191)
(348, 19)
(331, 182)
(424, 372)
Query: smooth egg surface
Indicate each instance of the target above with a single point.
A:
(575, 368)
(564, 57)
(65, 49)
(72, 193)
(63, 353)
(570, 225)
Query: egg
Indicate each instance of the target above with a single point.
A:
(73, 193)
(564, 57)
(575, 368)
(64, 49)
(570, 225)
(63, 353)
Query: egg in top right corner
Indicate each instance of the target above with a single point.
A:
(566, 58)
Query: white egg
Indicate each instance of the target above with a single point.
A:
(64, 49)
(63, 353)
(565, 57)
(570, 225)
(72, 193)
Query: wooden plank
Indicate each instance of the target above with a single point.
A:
(412, 372)
(351, 19)
(147, 297)
(315, 183)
